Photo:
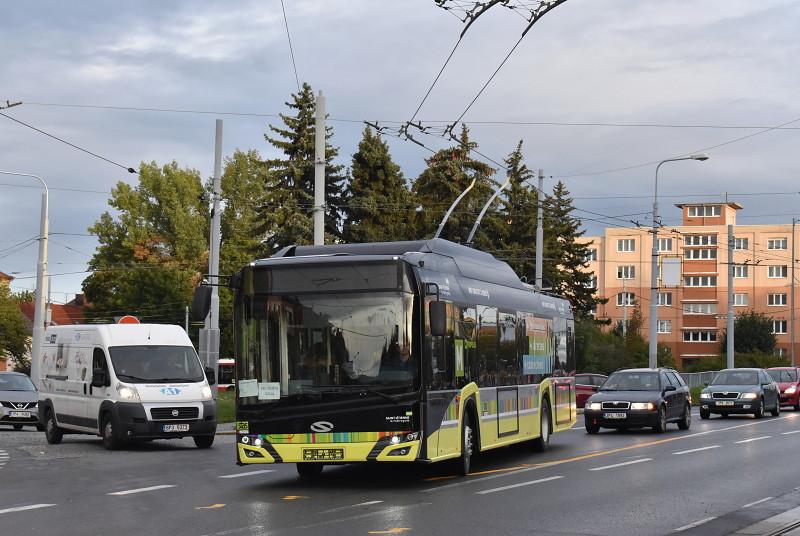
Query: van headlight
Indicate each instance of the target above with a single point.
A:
(205, 393)
(129, 393)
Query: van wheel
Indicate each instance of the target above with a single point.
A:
(110, 439)
(541, 443)
(203, 441)
(52, 432)
(467, 445)
(307, 471)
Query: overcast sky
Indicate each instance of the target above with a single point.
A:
(676, 62)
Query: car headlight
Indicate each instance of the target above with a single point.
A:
(791, 390)
(705, 395)
(128, 392)
(593, 406)
(643, 405)
(205, 393)
(748, 396)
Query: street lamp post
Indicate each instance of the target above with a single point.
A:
(653, 349)
(41, 275)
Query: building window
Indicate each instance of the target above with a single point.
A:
(664, 244)
(700, 281)
(740, 271)
(779, 327)
(591, 255)
(700, 253)
(626, 299)
(741, 243)
(777, 243)
(627, 244)
(779, 352)
(740, 299)
(699, 308)
(626, 272)
(665, 326)
(705, 211)
(591, 282)
(778, 271)
(593, 311)
(700, 240)
(776, 299)
(664, 298)
(699, 336)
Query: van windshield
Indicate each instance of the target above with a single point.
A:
(156, 364)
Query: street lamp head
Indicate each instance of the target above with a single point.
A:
(700, 156)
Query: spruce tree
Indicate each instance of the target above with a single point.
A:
(564, 258)
(378, 202)
(285, 211)
(448, 174)
(518, 216)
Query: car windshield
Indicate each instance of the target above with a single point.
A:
(631, 381)
(736, 377)
(154, 364)
(15, 382)
(783, 375)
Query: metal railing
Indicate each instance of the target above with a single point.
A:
(694, 379)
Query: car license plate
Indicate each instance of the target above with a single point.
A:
(175, 427)
(725, 403)
(323, 454)
(615, 415)
(20, 414)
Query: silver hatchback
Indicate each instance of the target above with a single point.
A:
(18, 401)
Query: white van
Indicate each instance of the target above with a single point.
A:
(124, 382)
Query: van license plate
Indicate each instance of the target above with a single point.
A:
(175, 427)
(20, 414)
(725, 403)
(323, 454)
(615, 415)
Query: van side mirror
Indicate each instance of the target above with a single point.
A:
(211, 376)
(201, 302)
(432, 289)
(438, 317)
(100, 378)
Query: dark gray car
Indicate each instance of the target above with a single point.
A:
(18, 401)
(740, 391)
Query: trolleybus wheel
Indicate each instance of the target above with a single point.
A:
(467, 445)
(309, 470)
(541, 443)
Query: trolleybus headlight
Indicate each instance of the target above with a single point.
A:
(412, 436)
(245, 440)
(395, 440)
(257, 442)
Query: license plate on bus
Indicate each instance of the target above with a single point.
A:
(615, 415)
(20, 414)
(323, 454)
(175, 427)
(725, 403)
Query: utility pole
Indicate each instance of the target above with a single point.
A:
(729, 349)
(539, 230)
(624, 308)
(319, 172)
(186, 320)
(209, 335)
(792, 314)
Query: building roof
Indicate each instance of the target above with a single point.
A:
(5, 277)
(62, 315)
(731, 204)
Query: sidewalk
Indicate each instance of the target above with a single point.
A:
(226, 428)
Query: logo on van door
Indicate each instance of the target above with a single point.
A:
(322, 427)
(170, 391)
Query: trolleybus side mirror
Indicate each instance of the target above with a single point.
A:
(211, 376)
(201, 302)
(438, 317)
(432, 289)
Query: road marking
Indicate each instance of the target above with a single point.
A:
(212, 507)
(695, 524)
(792, 432)
(237, 475)
(752, 439)
(765, 499)
(141, 490)
(295, 497)
(339, 509)
(604, 467)
(23, 508)
(395, 530)
(497, 470)
(519, 485)
(696, 450)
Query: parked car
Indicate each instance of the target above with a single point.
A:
(740, 391)
(788, 379)
(18, 401)
(639, 398)
(586, 385)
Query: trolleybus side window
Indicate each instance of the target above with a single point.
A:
(485, 372)
(508, 363)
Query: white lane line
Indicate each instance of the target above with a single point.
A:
(237, 475)
(765, 499)
(695, 524)
(519, 485)
(792, 432)
(141, 490)
(339, 509)
(752, 439)
(23, 508)
(697, 449)
(604, 467)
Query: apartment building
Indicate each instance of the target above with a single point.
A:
(693, 277)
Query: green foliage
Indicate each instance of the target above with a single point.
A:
(752, 333)
(151, 254)
(745, 359)
(378, 203)
(518, 214)
(14, 335)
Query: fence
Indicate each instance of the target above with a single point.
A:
(693, 379)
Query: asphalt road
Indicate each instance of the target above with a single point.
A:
(719, 476)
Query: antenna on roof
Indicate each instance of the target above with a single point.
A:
(485, 208)
(455, 203)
